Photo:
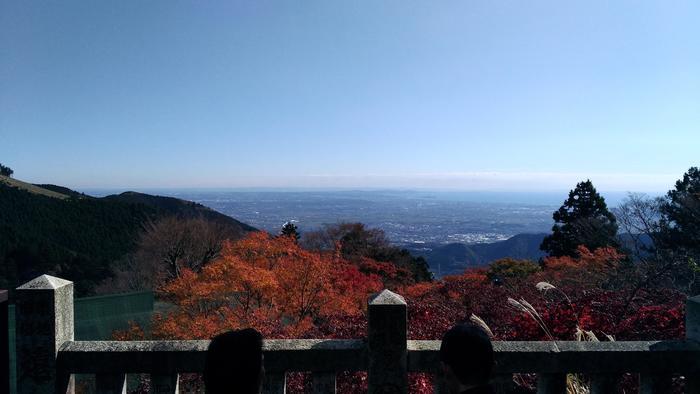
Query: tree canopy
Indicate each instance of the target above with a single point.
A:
(583, 219)
(662, 236)
(6, 171)
(290, 230)
(509, 269)
(356, 242)
(681, 213)
(265, 282)
(274, 285)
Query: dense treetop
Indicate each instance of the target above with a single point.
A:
(290, 229)
(356, 242)
(583, 219)
(681, 211)
(5, 171)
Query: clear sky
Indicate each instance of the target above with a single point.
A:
(487, 95)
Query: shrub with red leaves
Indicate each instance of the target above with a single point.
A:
(573, 297)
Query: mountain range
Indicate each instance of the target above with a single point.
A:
(454, 258)
(56, 230)
(47, 228)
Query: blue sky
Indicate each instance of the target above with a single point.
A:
(473, 95)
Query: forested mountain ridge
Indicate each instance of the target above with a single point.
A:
(454, 258)
(56, 230)
(63, 190)
(178, 207)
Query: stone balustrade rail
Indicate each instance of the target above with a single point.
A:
(48, 356)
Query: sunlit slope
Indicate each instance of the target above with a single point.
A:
(34, 189)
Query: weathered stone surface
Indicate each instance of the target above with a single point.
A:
(503, 383)
(188, 356)
(387, 334)
(323, 383)
(551, 383)
(165, 383)
(47, 354)
(572, 356)
(44, 316)
(323, 355)
(387, 297)
(45, 282)
(655, 384)
(604, 383)
(275, 383)
(338, 355)
(4, 344)
(110, 383)
(692, 332)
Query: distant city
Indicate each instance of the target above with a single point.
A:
(407, 217)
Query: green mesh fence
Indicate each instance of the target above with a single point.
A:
(96, 318)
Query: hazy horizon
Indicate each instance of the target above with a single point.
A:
(612, 198)
(475, 182)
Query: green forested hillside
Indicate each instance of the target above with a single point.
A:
(78, 237)
(455, 258)
(178, 207)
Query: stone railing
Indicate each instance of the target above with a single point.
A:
(4, 344)
(48, 356)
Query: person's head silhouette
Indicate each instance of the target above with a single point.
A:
(234, 363)
(466, 355)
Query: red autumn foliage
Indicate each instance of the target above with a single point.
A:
(589, 270)
(284, 291)
(269, 283)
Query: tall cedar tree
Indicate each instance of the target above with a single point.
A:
(290, 230)
(679, 238)
(584, 219)
(6, 171)
(681, 213)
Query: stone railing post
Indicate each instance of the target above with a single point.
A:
(604, 383)
(4, 344)
(692, 332)
(323, 383)
(165, 384)
(554, 383)
(275, 383)
(44, 321)
(388, 353)
(655, 384)
(110, 383)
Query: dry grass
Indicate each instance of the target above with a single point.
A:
(479, 322)
(575, 383)
(524, 306)
(31, 188)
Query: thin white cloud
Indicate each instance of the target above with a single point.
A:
(466, 181)
(448, 181)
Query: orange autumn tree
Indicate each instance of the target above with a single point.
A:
(589, 269)
(265, 282)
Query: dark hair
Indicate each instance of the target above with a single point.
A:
(467, 349)
(233, 363)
